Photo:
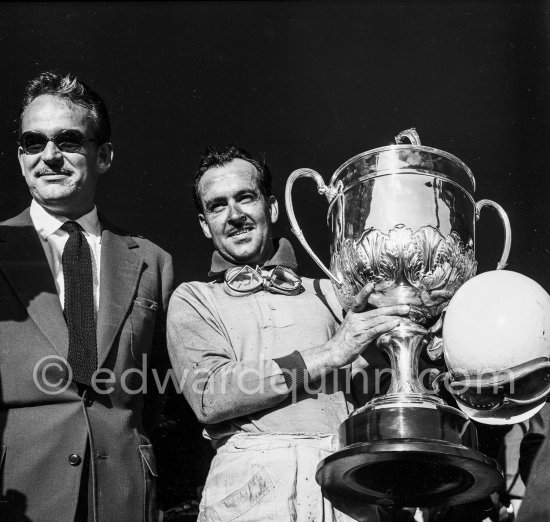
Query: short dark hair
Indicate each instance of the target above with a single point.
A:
(213, 158)
(72, 89)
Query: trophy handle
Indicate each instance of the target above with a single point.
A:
(507, 229)
(329, 192)
(410, 134)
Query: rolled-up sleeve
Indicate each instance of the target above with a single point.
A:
(216, 384)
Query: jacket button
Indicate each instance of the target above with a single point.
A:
(88, 402)
(74, 459)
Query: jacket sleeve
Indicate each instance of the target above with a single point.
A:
(159, 365)
(217, 386)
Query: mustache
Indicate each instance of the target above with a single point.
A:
(235, 228)
(45, 172)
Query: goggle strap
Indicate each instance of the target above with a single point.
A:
(501, 377)
(531, 400)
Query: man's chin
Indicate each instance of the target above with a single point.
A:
(53, 191)
(243, 258)
(244, 255)
(54, 201)
(247, 257)
(245, 250)
(64, 204)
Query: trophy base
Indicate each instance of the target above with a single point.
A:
(407, 455)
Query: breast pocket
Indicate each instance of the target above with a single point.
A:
(283, 315)
(142, 323)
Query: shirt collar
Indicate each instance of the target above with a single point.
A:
(47, 224)
(284, 255)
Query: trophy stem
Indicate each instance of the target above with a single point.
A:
(403, 346)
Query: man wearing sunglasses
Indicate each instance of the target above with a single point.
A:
(82, 304)
(263, 355)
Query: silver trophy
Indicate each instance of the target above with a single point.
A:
(403, 217)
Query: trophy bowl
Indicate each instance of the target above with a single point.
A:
(403, 217)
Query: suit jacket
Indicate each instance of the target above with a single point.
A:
(48, 434)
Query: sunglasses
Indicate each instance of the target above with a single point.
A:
(279, 280)
(524, 384)
(67, 140)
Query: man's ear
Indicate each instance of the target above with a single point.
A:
(104, 157)
(20, 158)
(273, 209)
(204, 226)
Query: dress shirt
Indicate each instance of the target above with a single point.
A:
(53, 239)
(224, 348)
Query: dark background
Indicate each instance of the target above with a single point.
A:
(303, 84)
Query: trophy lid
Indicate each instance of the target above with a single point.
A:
(401, 158)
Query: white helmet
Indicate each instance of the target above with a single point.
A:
(496, 343)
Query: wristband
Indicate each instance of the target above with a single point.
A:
(294, 370)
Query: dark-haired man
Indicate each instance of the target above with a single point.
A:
(82, 305)
(248, 345)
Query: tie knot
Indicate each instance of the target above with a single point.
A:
(71, 227)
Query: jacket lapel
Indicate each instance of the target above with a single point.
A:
(24, 263)
(119, 276)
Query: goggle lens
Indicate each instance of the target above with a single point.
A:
(243, 279)
(284, 279)
(281, 280)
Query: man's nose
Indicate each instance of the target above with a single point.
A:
(236, 213)
(51, 154)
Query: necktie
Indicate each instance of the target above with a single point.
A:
(79, 304)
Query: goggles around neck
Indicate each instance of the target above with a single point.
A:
(244, 280)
